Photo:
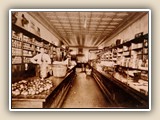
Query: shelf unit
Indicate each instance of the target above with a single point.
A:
(24, 46)
(131, 55)
(123, 54)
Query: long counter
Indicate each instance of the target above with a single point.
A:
(118, 93)
(51, 98)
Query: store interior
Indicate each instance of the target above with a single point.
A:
(97, 59)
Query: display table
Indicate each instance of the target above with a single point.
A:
(51, 98)
(120, 94)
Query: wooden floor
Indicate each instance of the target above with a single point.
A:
(84, 93)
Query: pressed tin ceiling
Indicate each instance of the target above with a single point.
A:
(86, 29)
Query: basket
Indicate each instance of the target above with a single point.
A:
(59, 70)
(88, 71)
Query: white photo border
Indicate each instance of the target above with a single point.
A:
(77, 10)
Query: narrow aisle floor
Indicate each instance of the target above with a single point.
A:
(85, 93)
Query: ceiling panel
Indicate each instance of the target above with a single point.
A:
(85, 28)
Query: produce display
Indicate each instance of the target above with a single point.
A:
(31, 87)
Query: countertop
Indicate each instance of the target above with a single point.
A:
(42, 96)
(140, 86)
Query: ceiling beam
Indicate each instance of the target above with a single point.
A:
(84, 40)
(96, 40)
(69, 24)
(63, 28)
(79, 15)
(99, 39)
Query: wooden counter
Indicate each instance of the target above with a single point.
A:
(51, 98)
(119, 94)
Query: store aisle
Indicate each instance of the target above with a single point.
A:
(84, 93)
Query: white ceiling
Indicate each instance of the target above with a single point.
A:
(85, 29)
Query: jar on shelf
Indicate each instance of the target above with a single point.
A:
(146, 43)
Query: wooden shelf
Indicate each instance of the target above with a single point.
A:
(27, 55)
(28, 49)
(28, 39)
(16, 63)
(25, 32)
(16, 39)
(29, 43)
(16, 47)
(130, 68)
(31, 35)
(135, 40)
(16, 55)
(137, 48)
(127, 50)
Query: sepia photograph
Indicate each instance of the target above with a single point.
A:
(80, 60)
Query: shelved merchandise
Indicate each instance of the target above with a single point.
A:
(24, 46)
(133, 53)
(131, 56)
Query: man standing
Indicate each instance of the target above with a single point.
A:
(43, 60)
